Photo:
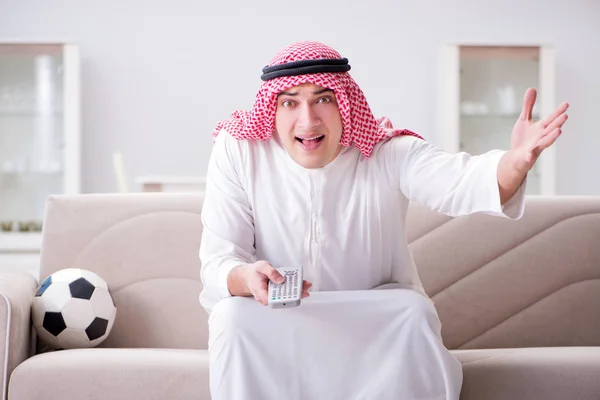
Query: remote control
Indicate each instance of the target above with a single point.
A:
(289, 293)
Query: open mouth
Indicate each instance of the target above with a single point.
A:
(309, 141)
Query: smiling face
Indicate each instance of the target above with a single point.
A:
(309, 124)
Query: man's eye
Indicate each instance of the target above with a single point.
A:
(287, 103)
(324, 100)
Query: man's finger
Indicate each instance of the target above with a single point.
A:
(255, 295)
(262, 293)
(558, 123)
(275, 276)
(555, 114)
(306, 285)
(528, 102)
(271, 273)
(548, 140)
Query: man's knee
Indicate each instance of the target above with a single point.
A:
(417, 307)
(230, 317)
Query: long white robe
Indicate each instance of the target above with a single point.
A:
(345, 225)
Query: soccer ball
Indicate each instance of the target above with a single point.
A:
(73, 308)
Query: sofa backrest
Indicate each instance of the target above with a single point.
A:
(495, 282)
(500, 283)
(145, 245)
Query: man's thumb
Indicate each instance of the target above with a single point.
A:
(276, 277)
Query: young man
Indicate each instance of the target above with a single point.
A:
(310, 178)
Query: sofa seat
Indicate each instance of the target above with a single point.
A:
(86, 374)
(494, 374)
(551, 373)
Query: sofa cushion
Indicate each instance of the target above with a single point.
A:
(85, 374)
(114, 374)
(552, 373)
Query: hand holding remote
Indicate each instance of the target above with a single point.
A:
(256, 278)
(288, 294)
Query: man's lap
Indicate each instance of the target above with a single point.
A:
(325, 309)
(372, 341)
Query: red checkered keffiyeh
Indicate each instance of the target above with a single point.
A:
(359, 125)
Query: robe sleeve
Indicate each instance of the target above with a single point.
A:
(227, 221)
(452, 184)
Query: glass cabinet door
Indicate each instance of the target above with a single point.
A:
(493, 82)
(484, 96)
(38, 105)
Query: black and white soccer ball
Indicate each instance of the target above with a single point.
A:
(73, 308)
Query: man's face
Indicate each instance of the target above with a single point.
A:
(309, 124)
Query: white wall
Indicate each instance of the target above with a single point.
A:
(157, 75)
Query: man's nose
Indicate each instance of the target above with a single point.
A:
(308, 119)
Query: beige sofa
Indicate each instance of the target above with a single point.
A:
(519, 300)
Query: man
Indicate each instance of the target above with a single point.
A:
(310, 178)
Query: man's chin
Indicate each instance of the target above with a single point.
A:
(311, 161)
(310, 164)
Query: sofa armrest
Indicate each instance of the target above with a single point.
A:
(16, 296)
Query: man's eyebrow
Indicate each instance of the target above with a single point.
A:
(321, 91)
(316, 92)
(287, 94)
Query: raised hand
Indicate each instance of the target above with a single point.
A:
(529, 139)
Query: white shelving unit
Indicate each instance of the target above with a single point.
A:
(40, 138)
(483, 90)
(165, 183)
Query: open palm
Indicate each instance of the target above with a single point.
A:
(529, 138)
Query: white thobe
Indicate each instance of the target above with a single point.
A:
(344, 224)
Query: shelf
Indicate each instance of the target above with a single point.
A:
(28, 114)
(20, 241)
(501, 52)
(171, 179)
(32, 172)
(514, 116)
(162, 183)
